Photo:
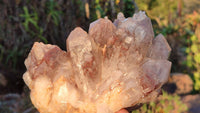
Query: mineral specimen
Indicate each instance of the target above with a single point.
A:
(115, 65)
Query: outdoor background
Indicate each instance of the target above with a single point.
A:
(23, 22)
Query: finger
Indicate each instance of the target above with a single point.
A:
(122, 111)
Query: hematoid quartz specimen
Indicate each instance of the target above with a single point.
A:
(115, 65)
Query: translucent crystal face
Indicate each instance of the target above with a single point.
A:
(115, 65)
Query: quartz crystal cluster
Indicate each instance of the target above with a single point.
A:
(115, 65)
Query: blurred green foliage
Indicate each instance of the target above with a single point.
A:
(166, 104)
(52, 12)
(163, 11)
(32, 19)
(193, 59)
(193, 49)
(128, 8)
